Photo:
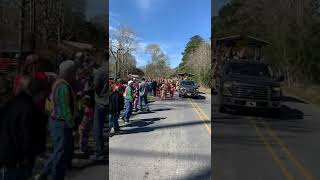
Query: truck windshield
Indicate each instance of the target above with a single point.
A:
(187, 83)
(260, 70)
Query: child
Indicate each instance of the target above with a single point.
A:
(86, 123)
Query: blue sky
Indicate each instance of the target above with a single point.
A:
(170, 23)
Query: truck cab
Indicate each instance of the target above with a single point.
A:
(245, 81)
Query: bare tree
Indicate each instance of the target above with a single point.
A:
(158, 66)
(122, 43)
(200, 62)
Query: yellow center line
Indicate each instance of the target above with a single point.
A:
(205, 115)
(291, 157)
(274, 155)
(201, 117)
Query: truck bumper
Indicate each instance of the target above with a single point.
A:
(250, 103)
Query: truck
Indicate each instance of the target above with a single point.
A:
(242, 79)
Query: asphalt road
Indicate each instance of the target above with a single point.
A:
(258, 146)
(171, 142)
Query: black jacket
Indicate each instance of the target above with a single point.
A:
(114, 103)
(22, 131)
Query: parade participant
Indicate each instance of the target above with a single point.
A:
(163, 90)
(61, 122)
(128, 101)
(154, 87)
(158, 88)
(171, 87)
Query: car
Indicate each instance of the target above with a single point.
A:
(248, 84)
(188, 88)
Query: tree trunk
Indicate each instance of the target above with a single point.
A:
(21, 29)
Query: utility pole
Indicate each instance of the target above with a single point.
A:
(21, 29)
(33, 24)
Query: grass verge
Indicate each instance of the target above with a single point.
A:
(309, 93)
(205, 90)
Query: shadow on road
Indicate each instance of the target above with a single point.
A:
(142, 126)
(285, 113)
(204, 173)
(158, 154)
(199, 97)
(161, 109)
(292, 99)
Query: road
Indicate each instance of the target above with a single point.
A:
(171, 142)
(261, 146)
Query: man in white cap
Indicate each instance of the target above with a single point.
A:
(61, 122)
(128, 100)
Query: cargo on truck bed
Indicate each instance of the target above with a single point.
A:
(241, 78)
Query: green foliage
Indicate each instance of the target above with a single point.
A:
(191, 46)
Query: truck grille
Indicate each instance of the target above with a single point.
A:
(190, 90)
(250, 92)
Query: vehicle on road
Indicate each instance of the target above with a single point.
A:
(188, 88)
(244, 82)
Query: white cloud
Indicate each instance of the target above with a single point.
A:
(144, 4)
(111, 28)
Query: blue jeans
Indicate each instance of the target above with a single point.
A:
(128, 111)
(113, 122)
(100, 116)
(62, 150)
(144, 98)
(18, 173)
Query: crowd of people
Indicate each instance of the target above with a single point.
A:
(132, 96)
(69, 103)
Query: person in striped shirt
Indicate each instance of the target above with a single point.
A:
(61, 122)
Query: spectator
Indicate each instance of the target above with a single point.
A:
(128, 102)
(143, 94)
(114, 110)
(101, 107)
(61, 122)
(22, 133)
(135, 94)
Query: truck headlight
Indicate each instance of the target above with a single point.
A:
(276, 92)
(227, 89)
(276, 89)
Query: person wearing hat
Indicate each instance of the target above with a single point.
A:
(61, 122)
(128, 101)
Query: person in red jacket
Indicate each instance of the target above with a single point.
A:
(30, 69)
